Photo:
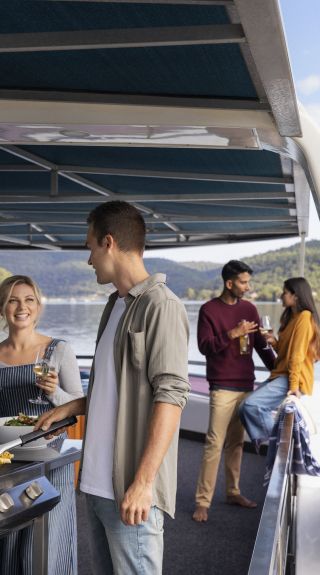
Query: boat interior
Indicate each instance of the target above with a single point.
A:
(188, 110)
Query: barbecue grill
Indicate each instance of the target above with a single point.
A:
(26, 495)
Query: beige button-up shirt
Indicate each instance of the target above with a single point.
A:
(151, 362)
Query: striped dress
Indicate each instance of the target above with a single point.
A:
(17, 386)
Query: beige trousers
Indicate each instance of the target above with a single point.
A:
(225, 431)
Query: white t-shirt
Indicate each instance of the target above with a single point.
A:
(96, 477)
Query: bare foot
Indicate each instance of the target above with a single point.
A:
(241, 500)
(200, 514)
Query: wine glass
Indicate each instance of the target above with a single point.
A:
(41, 368)
(265, 327)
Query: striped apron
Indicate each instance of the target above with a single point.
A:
(17, 386)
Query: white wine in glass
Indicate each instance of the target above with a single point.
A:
(266, 327)
(40, 369)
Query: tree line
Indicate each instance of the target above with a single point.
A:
(65, 274)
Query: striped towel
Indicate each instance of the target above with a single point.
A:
(303, 461)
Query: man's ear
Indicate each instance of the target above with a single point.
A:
(108, 241)
(229, 284)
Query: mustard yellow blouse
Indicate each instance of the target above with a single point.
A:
(294, 357)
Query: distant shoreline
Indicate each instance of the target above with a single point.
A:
(84, 301)
(73, 301)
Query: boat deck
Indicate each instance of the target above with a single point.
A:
(222, 546)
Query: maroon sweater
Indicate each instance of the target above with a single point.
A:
(226, 368)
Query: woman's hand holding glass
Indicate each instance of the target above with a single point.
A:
(48, 381)
(46, 378)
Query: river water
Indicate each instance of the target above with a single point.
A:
(78, 322)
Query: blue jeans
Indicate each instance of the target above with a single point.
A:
(119, 549)
(255, 411)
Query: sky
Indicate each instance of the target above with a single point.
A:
(301, 24)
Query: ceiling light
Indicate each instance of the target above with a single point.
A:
(74, 134)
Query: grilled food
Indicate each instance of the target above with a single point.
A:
(6, 457)
(22, 419)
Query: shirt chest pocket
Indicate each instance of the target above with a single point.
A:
(137, 348)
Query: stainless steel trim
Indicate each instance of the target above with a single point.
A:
(269, 554)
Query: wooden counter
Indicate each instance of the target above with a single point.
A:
(76, 432)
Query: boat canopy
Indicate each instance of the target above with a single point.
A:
(185, 108)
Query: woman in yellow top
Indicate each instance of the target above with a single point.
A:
(297, 348)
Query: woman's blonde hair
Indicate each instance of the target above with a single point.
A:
(9, 284)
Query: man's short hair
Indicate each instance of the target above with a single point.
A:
(233, 268)
(122, 221)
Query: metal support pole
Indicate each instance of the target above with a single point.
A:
(302, 254)
(40, 545)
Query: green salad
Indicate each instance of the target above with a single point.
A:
(22, 419)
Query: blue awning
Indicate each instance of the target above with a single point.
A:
(173, 105)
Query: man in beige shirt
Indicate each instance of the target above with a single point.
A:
(138, 387)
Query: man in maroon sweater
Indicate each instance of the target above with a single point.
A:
(222, 321)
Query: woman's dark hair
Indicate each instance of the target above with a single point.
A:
(233, 268)
(302, 290)
(122, 221)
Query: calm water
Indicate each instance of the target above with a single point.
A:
(78, 322)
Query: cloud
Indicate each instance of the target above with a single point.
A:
(309, 85)
(314, 111)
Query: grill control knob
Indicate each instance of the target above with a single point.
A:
(6, 502)
(34, 490)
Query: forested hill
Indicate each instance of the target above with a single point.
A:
(66, 274)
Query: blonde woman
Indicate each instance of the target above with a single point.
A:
(20, 308)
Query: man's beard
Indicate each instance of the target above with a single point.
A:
(235, 295)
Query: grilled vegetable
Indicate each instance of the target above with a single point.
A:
(22, 419)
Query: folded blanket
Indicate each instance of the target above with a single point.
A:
(303, 461)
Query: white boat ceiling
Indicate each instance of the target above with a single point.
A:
(185, 108)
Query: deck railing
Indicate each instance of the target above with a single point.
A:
(273, 550)
(190, 362)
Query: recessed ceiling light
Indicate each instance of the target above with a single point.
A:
(74, 134)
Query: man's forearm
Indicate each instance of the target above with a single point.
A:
(137, 500)
(77, 406)
(164, 422)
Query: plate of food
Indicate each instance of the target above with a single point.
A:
(16, 425)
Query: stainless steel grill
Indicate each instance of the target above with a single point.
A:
(25, 493)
